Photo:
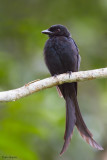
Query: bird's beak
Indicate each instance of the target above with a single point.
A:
(47, 32)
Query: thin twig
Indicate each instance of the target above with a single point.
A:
(32, 87)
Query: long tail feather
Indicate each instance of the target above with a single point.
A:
(70, 122)
(80, 122)
(84, 131)
(74, 117)
(91, 141)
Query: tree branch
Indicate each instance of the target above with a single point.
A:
(32, 87)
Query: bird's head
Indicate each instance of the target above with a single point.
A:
(57, 30)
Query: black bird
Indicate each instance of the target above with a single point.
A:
(61, 56)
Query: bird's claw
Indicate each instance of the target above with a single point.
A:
(70, 73)
(55, 75)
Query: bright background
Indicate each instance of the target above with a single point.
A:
(32, 128)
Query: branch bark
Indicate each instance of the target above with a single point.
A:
(32, 87)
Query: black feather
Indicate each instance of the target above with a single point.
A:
(61, 56)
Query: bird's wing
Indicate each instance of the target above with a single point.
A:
(79, 61)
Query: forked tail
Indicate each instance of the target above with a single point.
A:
(74, 117)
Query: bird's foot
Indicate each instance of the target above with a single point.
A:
(55, 75)
(70, 73)
(27, 84)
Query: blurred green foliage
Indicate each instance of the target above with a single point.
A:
(32, 128)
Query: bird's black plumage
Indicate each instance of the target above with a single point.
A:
(61, 56)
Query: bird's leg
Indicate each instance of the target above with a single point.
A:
(70, 73)
(27, 84)
(55, 75)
